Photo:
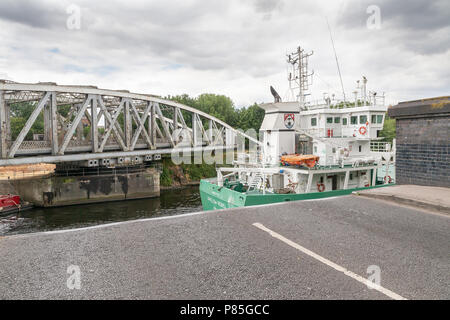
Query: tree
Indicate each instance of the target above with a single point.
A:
(250, 118)
(20, 112)
(388, 131)
(218, 106)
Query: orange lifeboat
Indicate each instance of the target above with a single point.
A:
(308, 160)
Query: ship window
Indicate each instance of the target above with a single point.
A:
(315, 149)
(380, 118)
(330, 120)
(351, 176)
(337, 120)
(334, 150)
(374, 118)
(362, 119)
(321, 179)
(354, 120)
(359, 148)
(344, 121)
(313, 122)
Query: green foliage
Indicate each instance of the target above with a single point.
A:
(165, 178)
(250, 118)
(16, 125)
(192, 172)
(347, 104)
(388, 131)
(222, 108)
(64, 110)
(218, 106)
(20, 112)
(86, 131)
(196, 172)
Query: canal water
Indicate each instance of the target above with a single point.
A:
(171, 202)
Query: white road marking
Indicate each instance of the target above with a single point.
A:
(331, 264)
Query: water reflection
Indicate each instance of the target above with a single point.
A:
(171, 202)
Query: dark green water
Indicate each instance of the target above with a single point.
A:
(171, 202)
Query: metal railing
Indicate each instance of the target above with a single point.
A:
(380, 146)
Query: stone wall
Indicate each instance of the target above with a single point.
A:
(423, 151)
(61, 190)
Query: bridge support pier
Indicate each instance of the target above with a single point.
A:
(61, 190)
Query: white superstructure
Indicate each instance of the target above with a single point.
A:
(344, 135)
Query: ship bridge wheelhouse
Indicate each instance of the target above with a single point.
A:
(361, 122)
(330, 133)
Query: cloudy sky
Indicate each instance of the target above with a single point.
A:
(236, 48)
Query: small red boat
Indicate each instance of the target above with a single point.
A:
(12, 203)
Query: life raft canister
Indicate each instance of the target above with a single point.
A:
(363, 130)
(320, 187)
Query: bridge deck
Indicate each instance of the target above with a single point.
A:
(222, 255)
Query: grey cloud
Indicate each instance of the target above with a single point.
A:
(32, 13)
(413, 24)
(267, 6)
(226, 40)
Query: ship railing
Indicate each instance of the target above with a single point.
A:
(380, 146)
(249, 158)
(371, 100)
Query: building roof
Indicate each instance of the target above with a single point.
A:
(437, 106)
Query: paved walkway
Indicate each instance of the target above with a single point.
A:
(319, 249)
(431, 198)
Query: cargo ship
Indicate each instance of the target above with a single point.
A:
(308, 150)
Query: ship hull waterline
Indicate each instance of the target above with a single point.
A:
(214, 197)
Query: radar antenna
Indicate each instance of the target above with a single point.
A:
(275, 94)
(299, 78)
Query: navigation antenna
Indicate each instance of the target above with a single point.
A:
(337, 62)
(299, 78)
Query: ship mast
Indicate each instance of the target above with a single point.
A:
(299, 78)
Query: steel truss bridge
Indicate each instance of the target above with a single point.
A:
(122, 126)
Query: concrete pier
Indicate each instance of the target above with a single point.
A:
(68, 190)
(228, 254)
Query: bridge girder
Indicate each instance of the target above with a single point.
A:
(121, 124)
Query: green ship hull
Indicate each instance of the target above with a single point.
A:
(214, 197)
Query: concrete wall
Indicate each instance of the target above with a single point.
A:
(60, 191)
(423, 151)
(7, 187)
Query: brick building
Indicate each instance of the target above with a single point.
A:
(423, 141)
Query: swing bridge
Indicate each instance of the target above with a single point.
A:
(91, 126)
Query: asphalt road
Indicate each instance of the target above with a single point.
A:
(223, 255)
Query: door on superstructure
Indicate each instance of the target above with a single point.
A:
(334, 181)
(303, 144)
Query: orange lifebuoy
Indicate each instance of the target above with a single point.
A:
(389, 179)
(362, 130)
(320, 187)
